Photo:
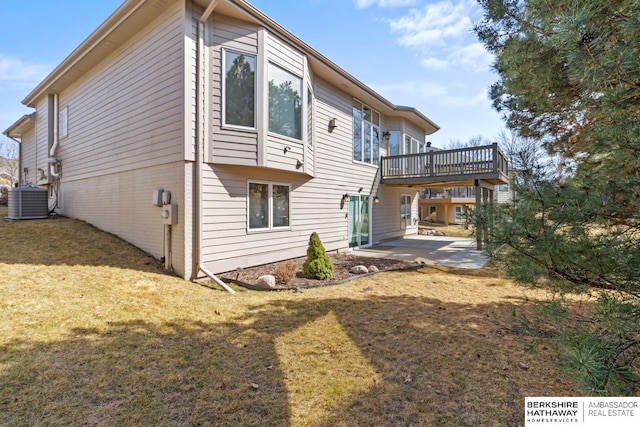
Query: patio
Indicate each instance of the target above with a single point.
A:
(439, 250)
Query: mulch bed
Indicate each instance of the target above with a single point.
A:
(342, 264)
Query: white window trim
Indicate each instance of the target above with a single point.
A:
(303, 105)
(362, 162)
(410, 224)
(223, 88)
(270, 228)
(63, 122)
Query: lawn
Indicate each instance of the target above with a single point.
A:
(92, 332)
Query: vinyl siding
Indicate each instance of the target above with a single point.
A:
(121, 204)
(42, 141)
(126, 138)
(28, 158)
(126, 113)
(230, 145)
(292, 61)
(315, 202)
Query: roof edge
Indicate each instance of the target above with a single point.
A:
(17, 129)
(300, 44)
(98, 35)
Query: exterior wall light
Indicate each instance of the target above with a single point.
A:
(332, 124)
(376, 199)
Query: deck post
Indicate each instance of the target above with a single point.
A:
(478, 221)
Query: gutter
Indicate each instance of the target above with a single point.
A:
(200, 142)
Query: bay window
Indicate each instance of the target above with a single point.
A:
(285, 102)
(239, 89)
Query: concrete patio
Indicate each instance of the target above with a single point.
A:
(439, 250)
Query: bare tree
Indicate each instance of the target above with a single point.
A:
(474, 141)
(527, 155)
(9, 162)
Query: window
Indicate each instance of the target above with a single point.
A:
(239, 89)
(285, 103)
(268, 206)
(461, 215)
(63, 122)
(394, 143)
(310, 113)
(366, 134)
(405, 211)
(503, 188)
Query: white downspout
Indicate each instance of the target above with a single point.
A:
(54, 147)
(200, 141)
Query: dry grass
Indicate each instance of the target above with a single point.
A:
(92, 333)
(450, 230)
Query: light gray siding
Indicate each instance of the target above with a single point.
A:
(126, 138)
(42, 143)
(230, 145)
(28, 158)
(121, 204)
(315, 202)
(127, 112)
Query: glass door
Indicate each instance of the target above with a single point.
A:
(358, 221)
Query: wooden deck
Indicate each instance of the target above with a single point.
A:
(447, 168)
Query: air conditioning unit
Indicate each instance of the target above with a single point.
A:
(28, 203)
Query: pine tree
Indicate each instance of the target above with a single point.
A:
(569, 78)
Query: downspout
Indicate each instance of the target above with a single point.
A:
(200, 141)
(54, 147)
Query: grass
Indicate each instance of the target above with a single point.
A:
(452, 230)
(92, 332)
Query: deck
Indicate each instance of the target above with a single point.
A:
(461, 167)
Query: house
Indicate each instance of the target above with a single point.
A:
(454, 204)
(209, 136)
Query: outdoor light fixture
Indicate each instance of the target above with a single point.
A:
(332, 124)
(376, 199)
(345, 198)
(287, 149)
(386, 135)
(360, 190)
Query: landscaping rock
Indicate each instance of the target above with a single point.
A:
(359, 269)
(266, 282)
(373, 269)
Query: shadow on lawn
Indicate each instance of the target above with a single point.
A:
(433, 363)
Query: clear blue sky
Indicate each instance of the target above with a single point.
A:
(420, 53)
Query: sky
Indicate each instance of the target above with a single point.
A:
(418, 53)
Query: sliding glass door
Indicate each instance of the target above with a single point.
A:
(359, 234)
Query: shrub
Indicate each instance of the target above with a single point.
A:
(317, 265)
(285, 271)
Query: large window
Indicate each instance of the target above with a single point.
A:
(268, 205)
(366, 134)
(239, 89)
(405, 211)
(285, 102)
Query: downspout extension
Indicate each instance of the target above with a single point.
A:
(200, 141)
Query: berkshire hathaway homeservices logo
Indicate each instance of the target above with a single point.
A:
(582, 411)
